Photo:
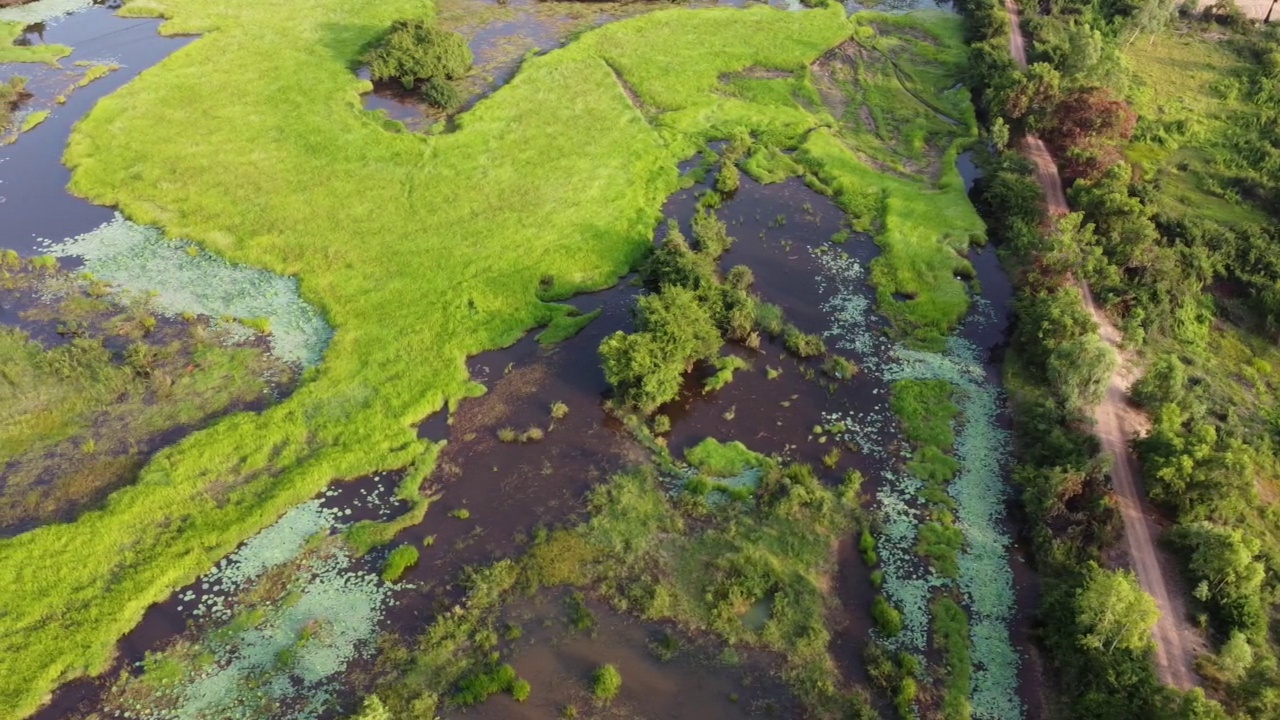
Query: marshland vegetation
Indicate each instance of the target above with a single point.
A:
(432, 278)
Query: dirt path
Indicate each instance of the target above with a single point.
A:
(1114, 423)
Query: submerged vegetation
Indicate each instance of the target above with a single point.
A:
(659, 554)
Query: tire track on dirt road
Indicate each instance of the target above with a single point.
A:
(1114, 423)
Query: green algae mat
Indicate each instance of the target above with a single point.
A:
(420, 249)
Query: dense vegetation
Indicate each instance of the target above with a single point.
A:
(1160, 262)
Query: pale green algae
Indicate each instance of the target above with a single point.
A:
(182, 278)
(290, 658)
(979, 488)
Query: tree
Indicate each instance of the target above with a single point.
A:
(1114, 613)
(1089, 127)
(1222, 562)
(1033, 96)
(1150, 16)
(415, 51)
(1080, 369)
(1236, 657)
(647, 367)
(681, 326)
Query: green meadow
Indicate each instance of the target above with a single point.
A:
(420, 249)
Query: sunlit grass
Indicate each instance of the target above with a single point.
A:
(10, 53)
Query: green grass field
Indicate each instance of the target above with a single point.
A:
(421, 251)
(1186, 98)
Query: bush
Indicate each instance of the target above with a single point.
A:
(520, 689)
(606, 683)
(415, 51)
(400, 559)
(477, 687)
(802, 344)
(888, 619)
(441, 93)
(710, 233)
(839, 368)
(728, 180)
(740, 277)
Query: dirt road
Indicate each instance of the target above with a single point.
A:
(1115, 422)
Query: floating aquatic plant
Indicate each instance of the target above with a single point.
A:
(182, 278)
(42, 10)
(979, 488)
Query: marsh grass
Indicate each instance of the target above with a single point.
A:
(565, 326)
(400, 560)
(78, 419)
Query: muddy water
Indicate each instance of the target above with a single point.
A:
(697, 683)
(34, 202)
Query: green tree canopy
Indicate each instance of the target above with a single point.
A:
(1114, 613)
(415, 51)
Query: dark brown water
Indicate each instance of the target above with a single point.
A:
(34, 203)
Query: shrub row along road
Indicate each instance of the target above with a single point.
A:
(1114, 424)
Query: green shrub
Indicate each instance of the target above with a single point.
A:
(710, 233)
(718, 459)
(559, 410)
(580, 616)
(414, 51)
(508, 434)
(606, 683)
(740, 277)
(440, 93)
(520, 689)
(478, 686)
(867, 545)
(725, 368)
(661, 424)
(400, 559)
(802, 344)
(888, 619)
(769, 318)
(728, 180)
(839, 368)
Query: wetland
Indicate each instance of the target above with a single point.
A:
(658, 375)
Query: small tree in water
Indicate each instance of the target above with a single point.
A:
(419, 54)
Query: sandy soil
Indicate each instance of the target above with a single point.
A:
(1116, 422)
